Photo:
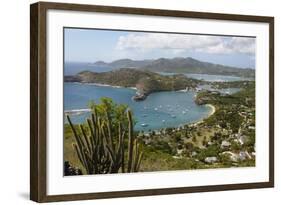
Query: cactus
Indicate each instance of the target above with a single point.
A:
(101, 149)
(130, 142)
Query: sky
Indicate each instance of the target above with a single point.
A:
(91, 45)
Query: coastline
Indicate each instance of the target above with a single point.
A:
(213, 110)
(194, 123)
(103, 85)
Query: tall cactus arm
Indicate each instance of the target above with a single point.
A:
(136, 155)
(82, 157)
(139, 162)
(93, 136)
(123, 154)
(78, 154)
(76, 136)
(119, 146)
(109, 129)
(130, 140)
(88, 146)
(95, 125)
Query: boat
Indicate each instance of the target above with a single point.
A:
(144, 125)
(139, 97)
(156, 109)
(173, 116)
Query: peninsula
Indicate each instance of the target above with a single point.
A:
(145, 82)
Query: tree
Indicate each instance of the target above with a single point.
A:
(107, 109)
(204, 142)
(178, 138)
(194, 139)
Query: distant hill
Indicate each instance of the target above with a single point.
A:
(125, 63)
(180, 65)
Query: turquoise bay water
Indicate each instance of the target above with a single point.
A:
(159, 110)
(210, 78)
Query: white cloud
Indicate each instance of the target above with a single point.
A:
(242, 45)
(178, 43)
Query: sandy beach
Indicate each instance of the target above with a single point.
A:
(213, 109)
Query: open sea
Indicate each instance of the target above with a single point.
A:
(72, 68)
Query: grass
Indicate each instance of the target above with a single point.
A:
(153, 159)
(156, 160)
(68, 151)
(204, 134)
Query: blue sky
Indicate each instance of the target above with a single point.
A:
(90, 45)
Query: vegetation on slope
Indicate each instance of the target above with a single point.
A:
(145, 81)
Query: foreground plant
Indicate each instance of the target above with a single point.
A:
(100, 146)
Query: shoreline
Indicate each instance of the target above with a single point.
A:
(213, 110)
(103, 85)
(80, 111)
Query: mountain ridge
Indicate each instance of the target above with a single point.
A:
(179, 65)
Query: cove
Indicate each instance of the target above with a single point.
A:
(159, 110)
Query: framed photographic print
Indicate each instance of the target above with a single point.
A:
(135, 102)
